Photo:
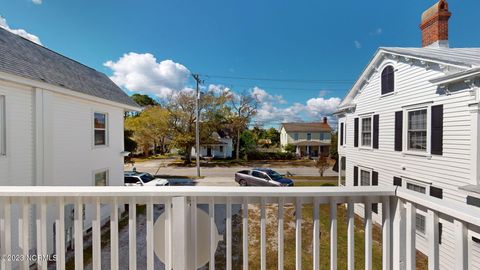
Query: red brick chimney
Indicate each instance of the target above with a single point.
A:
(435, 25)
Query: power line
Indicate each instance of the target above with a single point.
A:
(283, 88)
(279, 80)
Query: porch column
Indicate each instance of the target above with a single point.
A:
(308, 150)
(298, 150)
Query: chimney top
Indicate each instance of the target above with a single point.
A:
(435, 25)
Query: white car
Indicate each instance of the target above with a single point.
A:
(134, 178)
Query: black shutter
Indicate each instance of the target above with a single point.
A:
(374, 178)
(437, 130)
(398, 130)
(355, 134)
(355, 176)
(341, 133)
(397, 181)
(376, 120)
(473, 201)
(436, 192)
(375, 208)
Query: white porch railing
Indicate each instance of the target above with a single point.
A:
(181, 230)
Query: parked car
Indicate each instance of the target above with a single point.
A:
(261, 177)
(133, 178)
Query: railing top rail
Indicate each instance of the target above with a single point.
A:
(202, 191)
(456, 210)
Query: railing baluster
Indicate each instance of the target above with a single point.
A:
(368, 235)
(229, 233)
(150, 234)
(96, 235)
(351, 235)
(6, 233)
(42, 233)
(263, 236)
(24, 232)
(316, 234)
(78, 224)
(432, 234)
(213, 233)
(461, 249)
(60, 234)
(411, 235)
(281, 210)
(194, 231)
(333, 234)
(298, 233)
(168, 234)
(398, 235)
(114, 234)
(132, 234)
(386, 234)
(245, 233)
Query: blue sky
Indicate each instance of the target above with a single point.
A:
(151, 46)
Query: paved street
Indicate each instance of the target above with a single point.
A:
(218, 176)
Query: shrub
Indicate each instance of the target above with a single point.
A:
(257, 155)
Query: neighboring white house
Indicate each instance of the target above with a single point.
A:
(218, 146)
(310, 139)
(412, 120)
(61, 122)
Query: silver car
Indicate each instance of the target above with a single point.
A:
(261, 177)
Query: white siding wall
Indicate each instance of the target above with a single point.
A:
(448, 171)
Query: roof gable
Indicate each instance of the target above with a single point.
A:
(307, 127)
(21, 57)
(456, 59)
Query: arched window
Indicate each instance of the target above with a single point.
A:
(388, 80)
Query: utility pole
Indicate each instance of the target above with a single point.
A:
(197, 123)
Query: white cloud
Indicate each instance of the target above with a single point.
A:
(37, 2)
(142, 73)
(318, 107)
(377, 32)
(20, 32)
(357, 43)
(262, 96)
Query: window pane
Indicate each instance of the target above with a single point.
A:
(366, 131)
(364, 178)
(416, 188)
(417, 130)
(388, 80)
(101, 179)
(100, 120)
(309, 136)
(100, 137)
(420, 223)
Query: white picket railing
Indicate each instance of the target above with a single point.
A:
(181, 231)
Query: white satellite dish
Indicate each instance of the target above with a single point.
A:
(203, 238)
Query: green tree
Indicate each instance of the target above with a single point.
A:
(273, 135)
(247, 142)
(290, 148)
(143, 100)
(150, 128)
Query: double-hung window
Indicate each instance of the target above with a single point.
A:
(295, 136)
(309, 136)
(366, 132)
(3, 125)
(417, 130)
(100, 129)
(365, 177)
(101, 178)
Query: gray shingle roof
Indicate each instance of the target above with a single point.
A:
(457, 56)
(307, 127)
(21, 57)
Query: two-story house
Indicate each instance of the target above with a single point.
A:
(61, 123)
(412, 120)
(310, 139)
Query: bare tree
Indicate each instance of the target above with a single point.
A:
(322, 165)
(244, 107)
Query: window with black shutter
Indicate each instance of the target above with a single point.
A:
(376, 120)
(341, 133)
(374, 178)
(355, 134)
(397, 181)
(375, 208)
(398, 130)
(436, 192)
(388, 80)
(437, 130)
(355, 176)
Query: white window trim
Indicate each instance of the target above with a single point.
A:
(360, 143)
(369, 170)
(107, 129)
(3, 126)
(406, 110)
(395, 69)
(107, 170)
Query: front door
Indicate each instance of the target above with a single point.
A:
(209, 151)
